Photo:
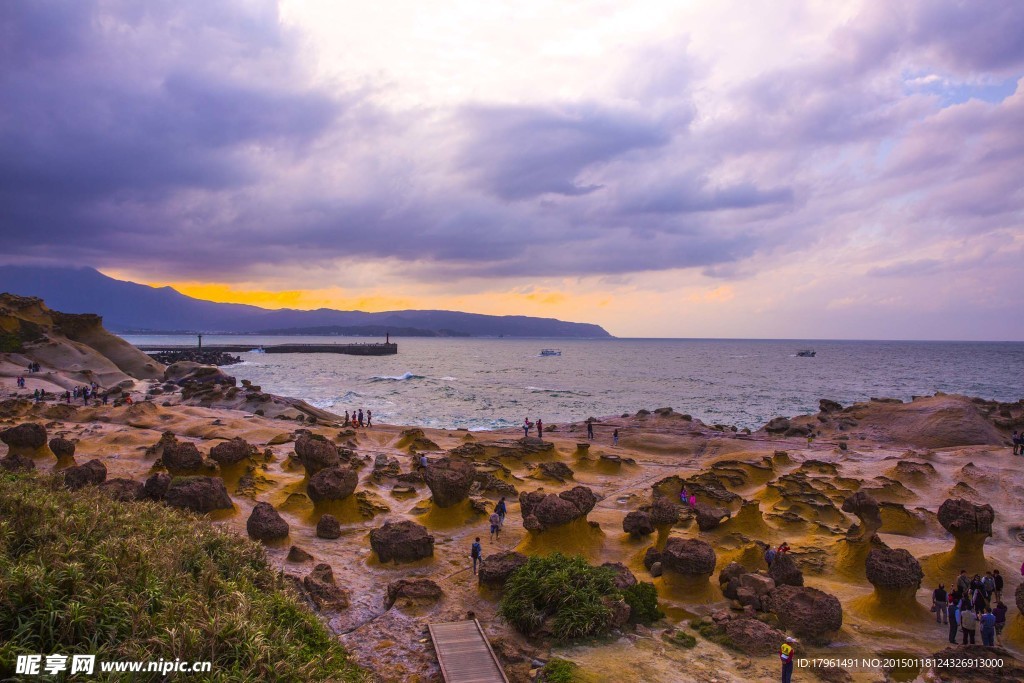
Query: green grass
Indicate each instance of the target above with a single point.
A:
(83, 574)
(642, 598)
(680, 638)
(567, 595)
(712, 632)
(563, 671)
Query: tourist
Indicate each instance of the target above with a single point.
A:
(540, 428)
(988, 584)
(360, 417)
(953, 612)
(978, 601)
(693, 500)
(783, 548)
(1017, 441)
(105, 398)
(474, 552)
(963, 582)
(590, 430)
(684, 497)
(615, 438)
(968, 624)
(939, 600)
(526, 427)
(495, 526)
(501, 510)
(67, 397)
(369, 418)
(423, 461)
(988, 627)
(1000, 613)
(998, 579)
(786, 653)
(347, 421)
(769, 556)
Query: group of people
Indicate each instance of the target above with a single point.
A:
(497, 520)
(590, 433)
(527, 426)
(359, 419)
(33, 367)
(771, 554)
(84, 393)
(972, 603)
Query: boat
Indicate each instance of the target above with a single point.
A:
(259, 349)
(550, 352)
(806, 353)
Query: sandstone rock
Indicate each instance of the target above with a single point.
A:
(199, 494)
(401, 542)
(449, 481)
(651, 556)
(688, 556)
(495, 569)
(156, 486)
(328, 527)
(266, 524)
(542, 511)
(93, 472)
(892, 568)
(970, 524)
(623, 577)
(62, 448)
(124, 490)
(16, 462)
(232, 452)
(414, 591)
(809, 613)
(638, 523)
(785, 572)
(828, 406)
(777, 425)
(181, 457)
(663, 512)
(385, 467)
(753, 637)
(157, 449)
(297, 554)
(656, 569)
(867, 510)
(729, 578)
(322, 589)
(582, 497)
(315, 453)
(619, 610)
(759, 584)
(710, 517)
(332, 483)
(558, 471)
(26, 436)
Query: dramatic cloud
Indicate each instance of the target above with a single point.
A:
(588, 151)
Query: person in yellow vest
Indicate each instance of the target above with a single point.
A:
(786, 654)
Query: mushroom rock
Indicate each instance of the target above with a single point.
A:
(401, 542)
(496, 569)
(867, 510)
(328, 527)
(809, 613)
(623, 577)
(332, 483)
(970, 524)
(93, 472)
(199, 494)
(62, 448)
(785, 572)
(542, 511)
(413, 592)
(895, 574)
(638, 523)
(124, 490)
(156, 486)
(449, 481)
(181, 457)
(315, 453)
(232, 452)
(663, 511)
(266, 524)
(25, 438)
(16, 462)
(710, 517)
(322, 589)
(688, 556)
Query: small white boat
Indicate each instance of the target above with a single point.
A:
(806, 353)
(550, 352)
(259, 349)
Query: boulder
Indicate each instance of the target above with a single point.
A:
(663, 512)
(651, 556)
(401, 542)
(181, 456)
(759, 584)
(27, 436)
(232, 452)
(266, 524)
(297, 554)
(777, 425)
(688, 556)
(16, 462)
(413, 591)
(582, 497)
(810, 614)
(62, 448)
(867, 510)
(156, 486)
(495, 569)
(894, 569)
(558, 471)
(328, 527)
(619, 611)
(449, 481)
(638, 523)
(322, 589)
(753, 637)
(970, 524)
(332, 483)
(729, 579)
(785, 572)
(315, 453)
(124, 490)
(93, 472)
(199, 494)
(623, 577)
(542, 511)
(828, 406)
(710, 517)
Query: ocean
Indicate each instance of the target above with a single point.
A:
(494, 383)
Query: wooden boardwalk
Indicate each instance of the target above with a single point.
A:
(464, 654)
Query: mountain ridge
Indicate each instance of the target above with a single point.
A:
(132, 307)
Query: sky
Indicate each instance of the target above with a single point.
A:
(664, 169)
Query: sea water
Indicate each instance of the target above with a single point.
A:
(494, 383)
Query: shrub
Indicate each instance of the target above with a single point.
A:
(642, 599)
(83, 574)
(712, 632)
(563, 671)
